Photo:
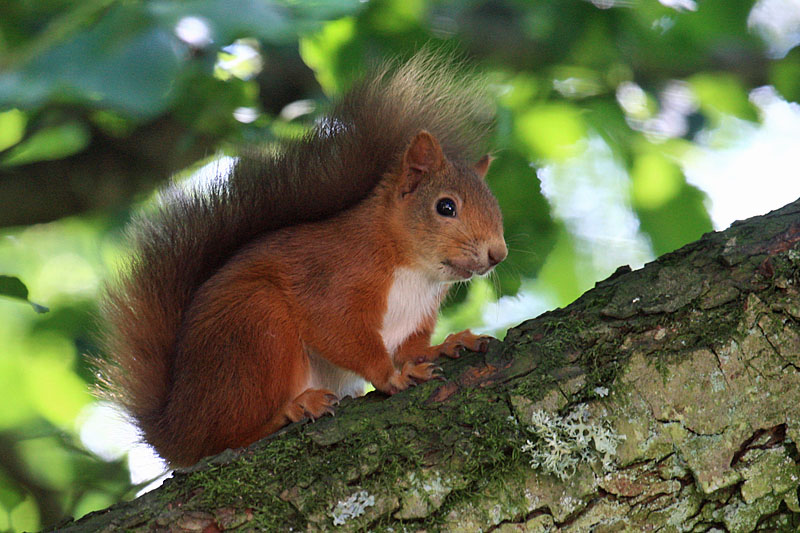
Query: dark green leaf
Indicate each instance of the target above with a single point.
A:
(12, 287)
(127, 63)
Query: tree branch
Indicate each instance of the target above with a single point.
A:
(665, 397)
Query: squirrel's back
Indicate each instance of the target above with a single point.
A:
(190, 235)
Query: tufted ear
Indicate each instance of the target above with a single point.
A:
(423, 156)
(482, 166)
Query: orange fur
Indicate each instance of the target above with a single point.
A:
(217, 343)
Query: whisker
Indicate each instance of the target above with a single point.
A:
(522, 251)
(513, 238)
(512, 271)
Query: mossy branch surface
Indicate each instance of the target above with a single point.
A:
(689, 368)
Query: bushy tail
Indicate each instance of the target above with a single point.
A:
(190, 235)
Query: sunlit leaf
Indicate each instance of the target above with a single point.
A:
(12, 127)
(551, 131)
(518, 91)
(25, 516)
(722, 93)
(15, 408)
(112, 123)
(49, 376)
(320, 52)
(93, 501)
(52, 143)
(655, 180)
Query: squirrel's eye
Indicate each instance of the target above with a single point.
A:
(446, 207)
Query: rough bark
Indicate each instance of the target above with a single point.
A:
(664, 399)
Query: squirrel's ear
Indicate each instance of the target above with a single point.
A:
(482, 166)
(423, 155)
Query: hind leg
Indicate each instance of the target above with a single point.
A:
(261, 378)
(291, 376)
(312, 403)
(285, 396)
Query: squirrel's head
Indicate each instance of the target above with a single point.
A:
(448, 212)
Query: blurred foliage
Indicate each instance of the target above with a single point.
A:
(102, 100)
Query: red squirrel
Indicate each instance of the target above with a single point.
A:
(289, 283)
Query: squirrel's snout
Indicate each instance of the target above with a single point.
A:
(496, 253)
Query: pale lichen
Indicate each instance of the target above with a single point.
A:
(602, 392)
(561, 443)
(352, 507)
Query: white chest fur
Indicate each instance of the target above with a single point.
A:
(412, 297)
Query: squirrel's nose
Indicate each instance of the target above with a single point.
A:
(497, 252)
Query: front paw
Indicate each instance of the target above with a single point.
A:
(410, 375)
(452, 345)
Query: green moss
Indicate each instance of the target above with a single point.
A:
(488, 453)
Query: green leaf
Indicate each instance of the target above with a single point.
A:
(12, 287)
(785, 75)
(322, 50)
(530, 230)
(722, 93)
(126, 63)
(655, 180)
(552, 131)
(10, 494)
(228, 21)
(562, 272)
(270, 21)
(679, 220)
(12, 127)
(50, 144)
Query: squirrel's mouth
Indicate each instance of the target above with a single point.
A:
(459, 271)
